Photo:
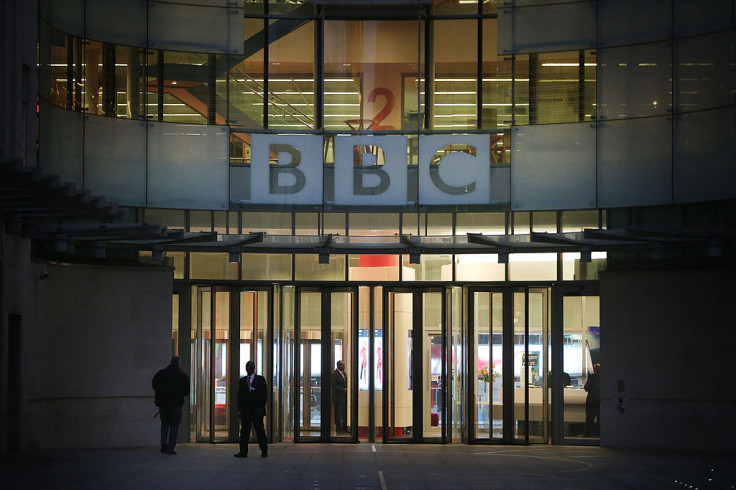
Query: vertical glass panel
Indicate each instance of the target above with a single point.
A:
(115, 160)
(130, 82)
(334, 223)
(93, 77)
(379, 358)
(521, 80)
(581, 352)
(188, 166)
(366, 361)
(497, 83)
(521, 224)
(122, 21)
(365, 62)
(538, 366)
(153, 103)
(411, 223)
(400, 396)
(479, 267)
(456, 383)
(308, 268)
(433, 363)
(488, 364)
(622, 22)
(200, 221)
(373, 268)
(267, 267)
(211, 265)
(564, 87)
(574, 269)
(691, 18)
(456, 74)
(209, 28)
(704, 73)
(248, 322)
(291, 85)
(306, 224)
(439, 224)
(61, 145)
(341, 321)
(373, 224)
(177, 260)
(185, 89)
(271, 223)
(246, 80)
(67, 15)
(54, 66)
(634, 81)
(544, 221)
(533, 267)
(220, 223)
(289, 388)
(704, 153)
(562, 154)
(261, 332)
(465, 7)
(485, 223)
(579, 220)
(171, 218)
(521, 373)
(221, 363)
(553, 27)
(175, 325)
(430, 268)
(310, 359)
(202, 364)
(631, 170)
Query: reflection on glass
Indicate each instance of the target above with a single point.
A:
(222, 328)
(432, 365)
(488, 315)
(341, 321)
(310, 368)
(400, 366)
(581, 351)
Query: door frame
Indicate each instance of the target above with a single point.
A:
(326, 364)
(508, 382)
(418, 376)
(557, 296)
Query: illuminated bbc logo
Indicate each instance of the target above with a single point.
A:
(370, 170)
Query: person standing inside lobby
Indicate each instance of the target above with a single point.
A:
(340, 397)
(593, 403)
(171, 385)
(252, 397)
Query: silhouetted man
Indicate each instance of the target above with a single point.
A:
(340, 397)
(171, 385)
(252, 397)
(593, 403)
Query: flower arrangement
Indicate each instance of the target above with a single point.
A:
(487, 374)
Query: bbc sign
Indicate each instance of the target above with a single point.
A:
(370, 170)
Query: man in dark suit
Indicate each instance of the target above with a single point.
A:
(340, 397)
(171, 385)
(252, 397)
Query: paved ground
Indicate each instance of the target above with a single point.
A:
(366, 466)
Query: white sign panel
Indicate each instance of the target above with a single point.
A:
(454, 169)
(295, 178)
(370, 170)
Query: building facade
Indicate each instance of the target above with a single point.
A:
(470, 203)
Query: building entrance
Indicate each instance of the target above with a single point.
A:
(415, 367)
(508, 389)
(327, 397)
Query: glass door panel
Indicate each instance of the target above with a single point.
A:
(220, 366)
(457, 358)
(580, 353)
(399, 381)
(521, 371)
(488, 364)
(538, 366)
(379, 352)
(310, 364)
(433, 366)
(341, 322)
(254, 320)
(201, 365)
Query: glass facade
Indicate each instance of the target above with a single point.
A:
(440, 346)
